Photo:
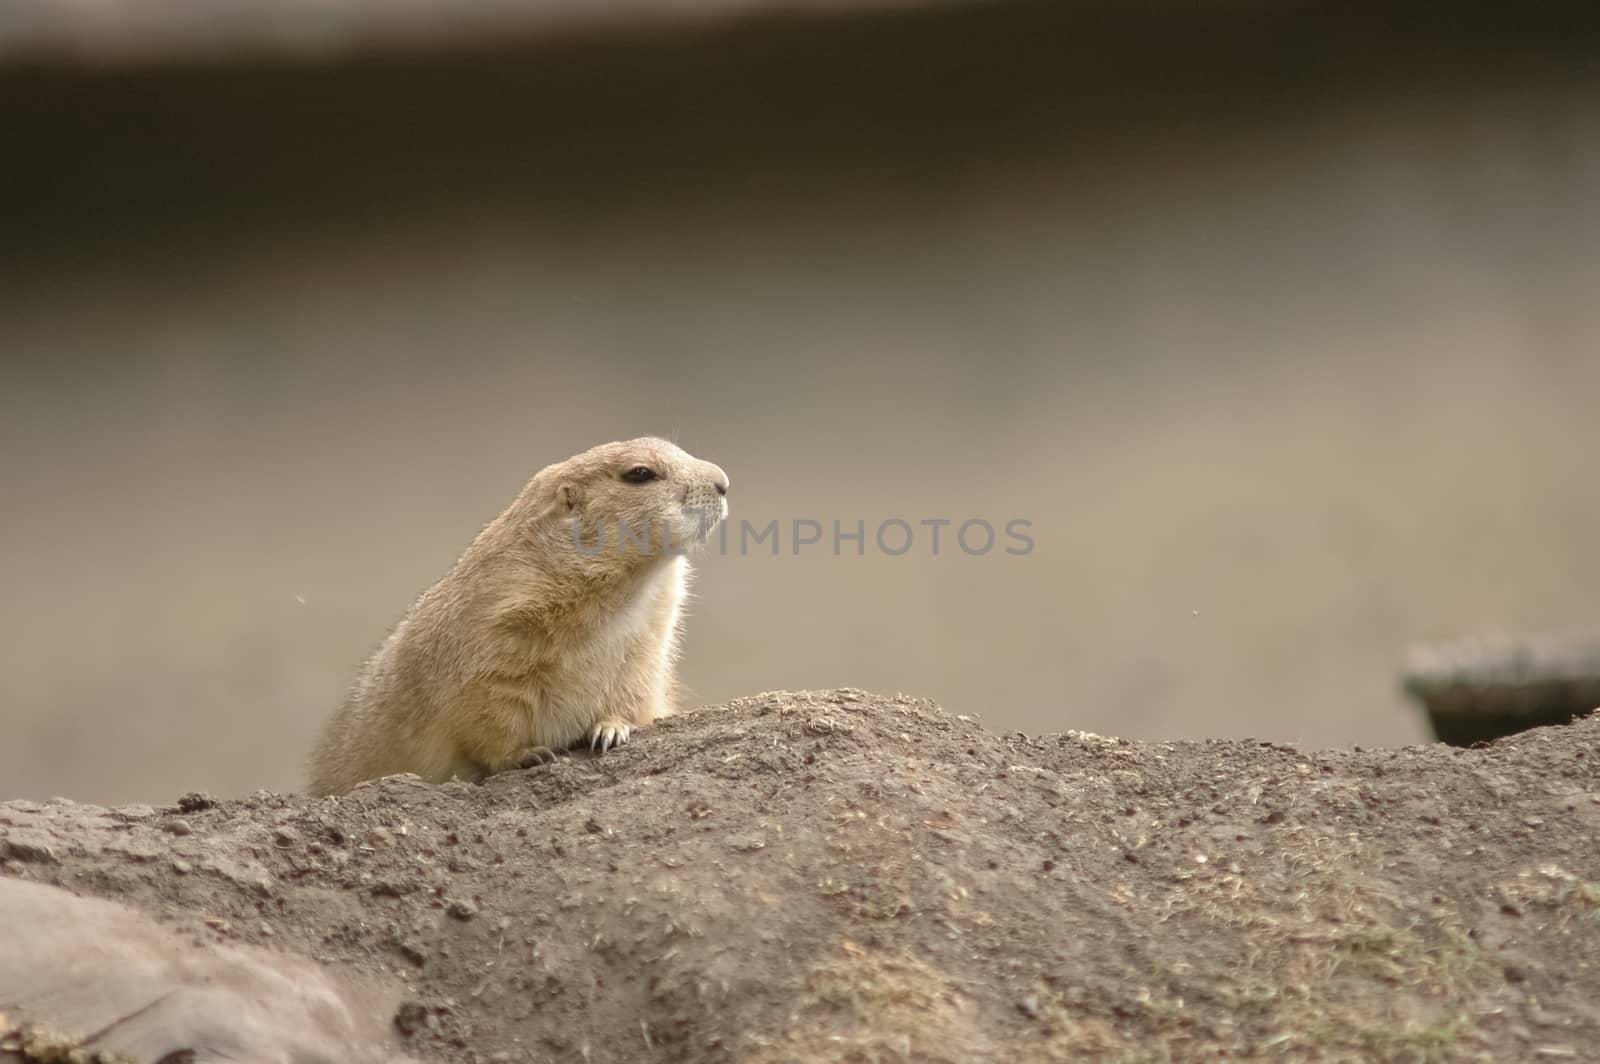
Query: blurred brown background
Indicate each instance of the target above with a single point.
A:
(1277, 321)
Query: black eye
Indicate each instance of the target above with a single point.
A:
(639, 474)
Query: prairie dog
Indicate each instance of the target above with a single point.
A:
(559, 624)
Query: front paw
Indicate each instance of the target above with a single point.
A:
(607, 735)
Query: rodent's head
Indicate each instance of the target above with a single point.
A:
(643, 495)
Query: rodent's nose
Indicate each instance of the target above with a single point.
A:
(721, 486)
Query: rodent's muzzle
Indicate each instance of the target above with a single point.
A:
(707, 498)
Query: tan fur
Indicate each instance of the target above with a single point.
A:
(535, 641)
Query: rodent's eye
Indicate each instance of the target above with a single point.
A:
(639, 474)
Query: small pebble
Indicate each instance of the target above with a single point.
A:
(179, 827)
(410, 1017)
(195, 801)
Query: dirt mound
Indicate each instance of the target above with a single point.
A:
(842, 876)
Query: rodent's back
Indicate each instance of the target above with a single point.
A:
(350, 749)
(380, 727)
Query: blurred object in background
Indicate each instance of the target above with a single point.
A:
(1475, 690)
(1276, 322)
(129, 32)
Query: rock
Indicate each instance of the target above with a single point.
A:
(1475, 690)
(121, 984)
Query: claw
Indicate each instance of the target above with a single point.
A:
(538, 755)
(606, 737)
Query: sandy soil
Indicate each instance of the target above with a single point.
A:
(842, 876)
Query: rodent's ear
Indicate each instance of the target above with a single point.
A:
(568, 497)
